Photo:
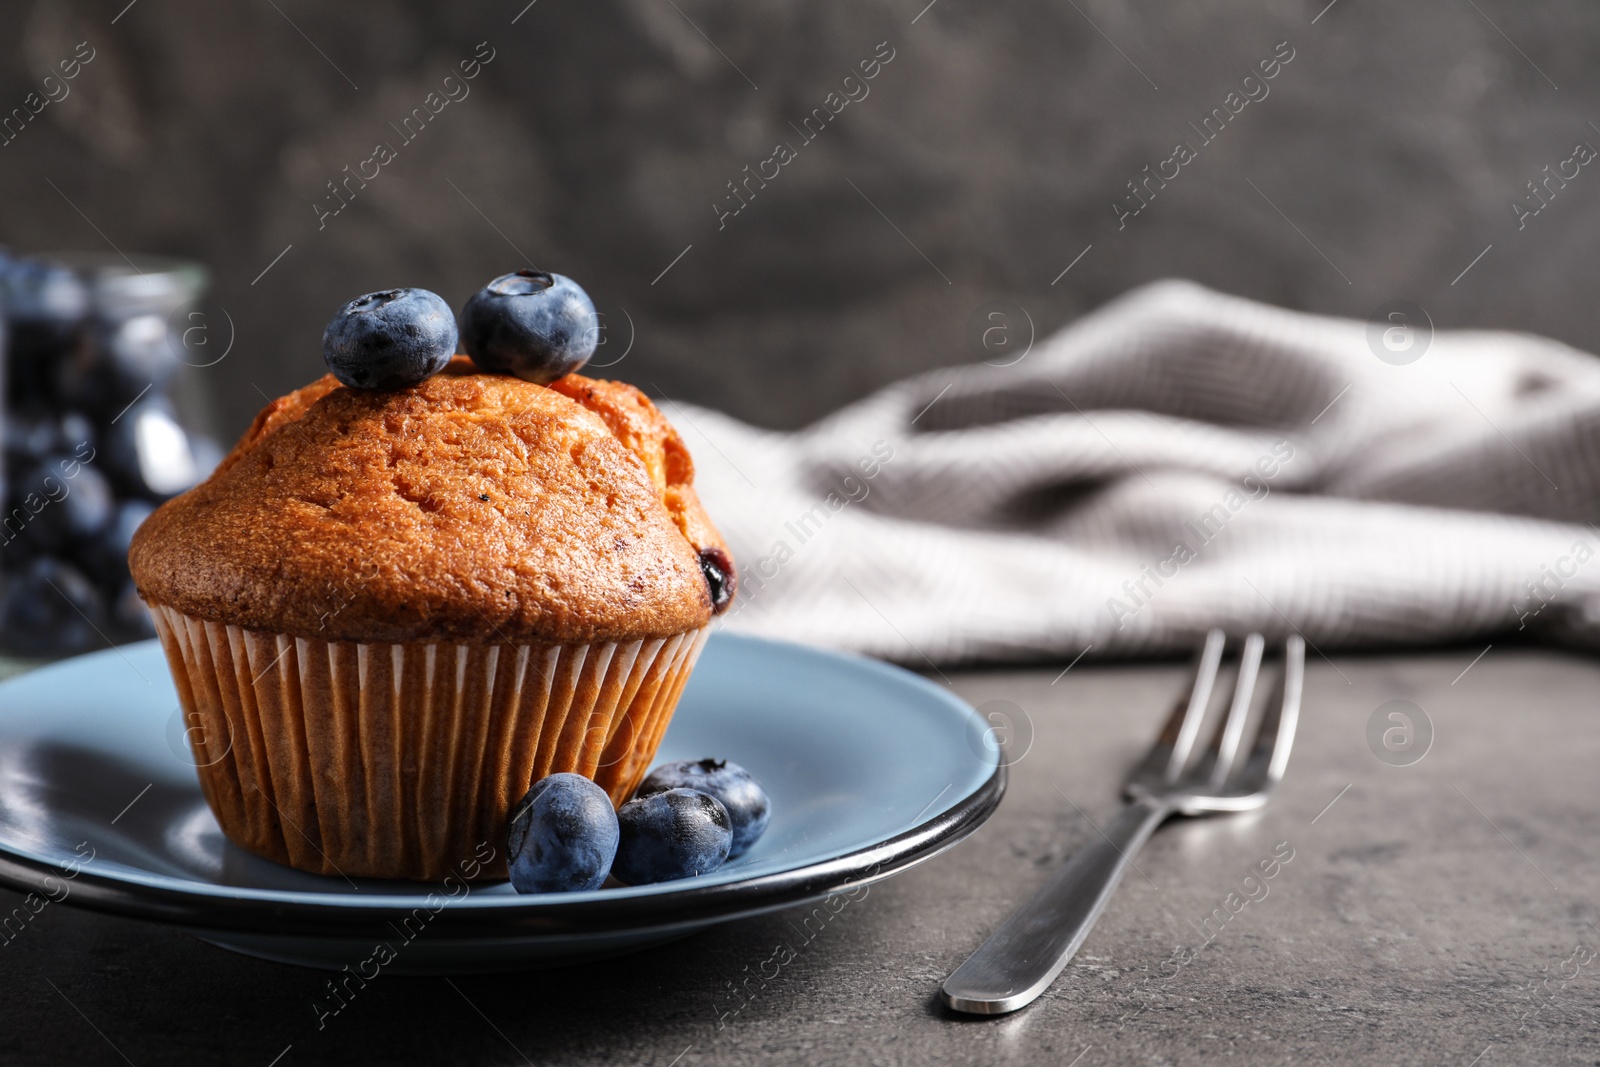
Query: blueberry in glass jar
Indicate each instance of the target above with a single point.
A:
(45, 296)
(105, 557)
(31, 436)
(91, 439)
(69, 503)
(118, 361)
(47, 304)
(50, 608)
(148, 453)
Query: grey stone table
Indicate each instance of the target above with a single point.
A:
(1442, 912)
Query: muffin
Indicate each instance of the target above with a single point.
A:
(389, 613)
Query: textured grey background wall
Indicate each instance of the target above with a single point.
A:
(984, 158)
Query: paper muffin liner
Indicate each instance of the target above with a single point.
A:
(399, 760)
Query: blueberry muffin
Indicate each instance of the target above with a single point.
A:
(388, 613)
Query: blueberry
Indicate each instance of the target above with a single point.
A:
(148, 453)
(105, 558)
(392, 339)
(75, 433)
(29, 438)
(119, 361)
(562, 837)
(676, 834)
(42, 293)
(721, 578)
(65, 502)
(50, 608)
(47, 303)
(746, 802)
(32, 437)
(531, 324)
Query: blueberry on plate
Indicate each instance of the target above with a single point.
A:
(390, 340)
(531, 324)
(746, 802)
(675, 834)
(562, 837)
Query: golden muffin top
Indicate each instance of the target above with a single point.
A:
(471, 507)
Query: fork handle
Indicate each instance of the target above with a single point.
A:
(1022, 957)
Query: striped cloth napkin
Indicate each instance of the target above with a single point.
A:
(1179, 459)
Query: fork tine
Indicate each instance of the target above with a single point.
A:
(1269, 756)
(1294, 676)
(1225, 742)
(1184, 724)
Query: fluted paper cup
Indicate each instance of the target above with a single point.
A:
(396, 760)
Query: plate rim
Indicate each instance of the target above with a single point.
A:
(220, 912)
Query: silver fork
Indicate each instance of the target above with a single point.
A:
(1022, 957)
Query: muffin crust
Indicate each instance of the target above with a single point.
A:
(472, 507)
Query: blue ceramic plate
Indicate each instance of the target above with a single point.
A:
(870, 768)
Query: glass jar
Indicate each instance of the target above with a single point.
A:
(103, 419)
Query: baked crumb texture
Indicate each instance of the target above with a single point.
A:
(471, 508)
